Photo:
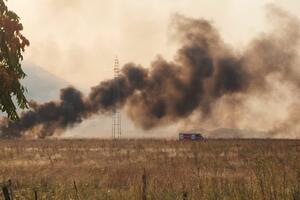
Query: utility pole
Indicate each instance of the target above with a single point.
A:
(116, 114)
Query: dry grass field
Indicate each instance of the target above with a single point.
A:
(151, 169)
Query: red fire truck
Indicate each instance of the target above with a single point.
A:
(190, 136)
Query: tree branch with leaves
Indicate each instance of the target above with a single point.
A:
(12, 45)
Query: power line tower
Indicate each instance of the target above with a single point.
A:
(116, 114)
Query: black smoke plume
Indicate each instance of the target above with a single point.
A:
(203, 71)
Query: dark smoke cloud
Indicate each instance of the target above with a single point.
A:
(203, 71)
(50, 117)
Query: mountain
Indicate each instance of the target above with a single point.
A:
(236, 133)
(227, 133)
(41, 85)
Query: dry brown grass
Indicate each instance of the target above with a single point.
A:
(157, 169)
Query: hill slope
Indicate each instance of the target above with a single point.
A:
(42, 85)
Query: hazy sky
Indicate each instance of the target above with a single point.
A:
(77, 40)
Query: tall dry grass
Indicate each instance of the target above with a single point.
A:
(152, 169)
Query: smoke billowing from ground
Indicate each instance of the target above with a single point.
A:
(204, 72)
